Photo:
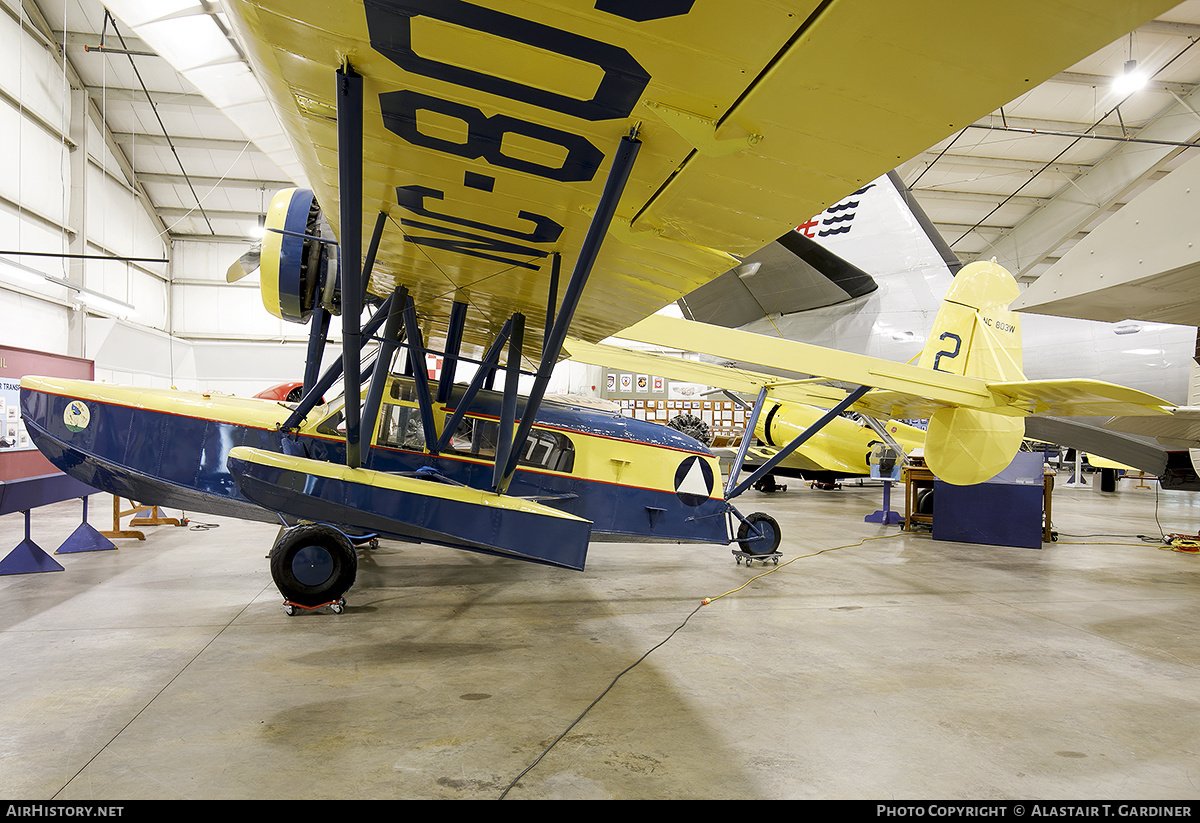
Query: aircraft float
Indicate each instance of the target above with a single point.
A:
(647, 146)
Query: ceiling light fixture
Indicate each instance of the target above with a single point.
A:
(101, 303)
(23, 273)
(1131, 80)
(109, 305)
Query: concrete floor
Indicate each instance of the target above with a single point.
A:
(901, 668)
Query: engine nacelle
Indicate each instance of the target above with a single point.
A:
(299, 271)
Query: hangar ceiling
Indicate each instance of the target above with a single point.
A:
(1027, 182)
(204, 178)
(1023, 184)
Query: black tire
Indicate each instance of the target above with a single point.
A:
(925, 501)
(763, 524)
(313, 565)
(767, 484)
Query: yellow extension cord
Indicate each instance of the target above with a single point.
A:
(708, 600)
(1186, 546)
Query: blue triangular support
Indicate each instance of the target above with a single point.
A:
(85, 539)
(887, 518)
(885, 515)
(28, 558)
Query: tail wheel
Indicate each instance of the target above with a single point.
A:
(760, 533)
(313, 565)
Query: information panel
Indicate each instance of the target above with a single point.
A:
(19, 457)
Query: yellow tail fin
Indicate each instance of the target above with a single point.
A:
(975, 335)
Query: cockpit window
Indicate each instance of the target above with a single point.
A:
(401, 428)
(544, 449)
(475, 437)
(549, 450)
(334, 425)
(404, 391)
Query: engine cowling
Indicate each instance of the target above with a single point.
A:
(299, 270)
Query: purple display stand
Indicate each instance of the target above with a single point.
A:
(85, 538)
(29, 493)
(28, 557)
(885, 515)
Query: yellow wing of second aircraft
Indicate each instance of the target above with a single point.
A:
(841, 448)
(732, 378)
(975, 412)
(905, 391)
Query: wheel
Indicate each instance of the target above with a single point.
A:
(289, 609)
(313, 564)
(766, 528)
(767, 484)
(925, 501)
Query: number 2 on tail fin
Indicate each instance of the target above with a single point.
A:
(945, 352)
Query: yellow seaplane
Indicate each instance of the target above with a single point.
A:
(487, 181)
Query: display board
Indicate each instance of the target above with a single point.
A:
(19, 457)
(724, 417)
(658, 399)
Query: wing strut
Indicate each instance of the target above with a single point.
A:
(552, 296)
(486, 368)
(350, 166)
(372, 250)
(508, 404)
(458, 322)
(614, 186)
(416, 360)
(779, 456)
(383, 359)
(312, 396)
(318, 333)
(747, 436)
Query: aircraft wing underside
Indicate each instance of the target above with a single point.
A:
(489, 130)
(1180, 430)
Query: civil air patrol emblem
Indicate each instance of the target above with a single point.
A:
(693, 481)
(77, 415)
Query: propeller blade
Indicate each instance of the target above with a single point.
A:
(245, 265)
